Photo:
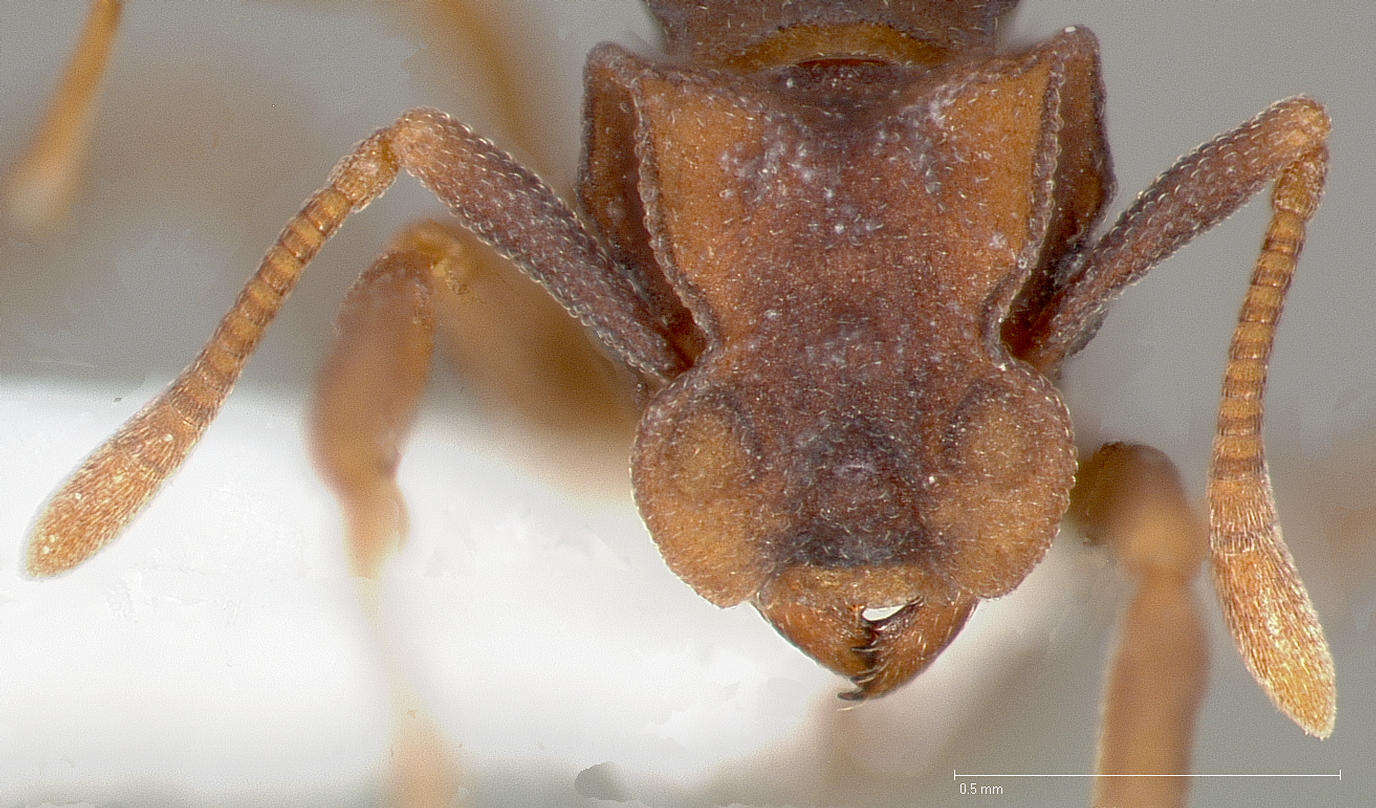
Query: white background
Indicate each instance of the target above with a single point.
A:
(216, 656)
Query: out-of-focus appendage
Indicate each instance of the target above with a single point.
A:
(1130, 498)
(39, 188)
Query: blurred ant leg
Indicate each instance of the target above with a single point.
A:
(434, 277)
(1130, 498)
(422, 773)
(492, 195)
(40, 186)
(1268, 610)
(370, 386)
(365, 403)
(543, 389)
(458, 32)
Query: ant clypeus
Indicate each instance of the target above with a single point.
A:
(367, 236)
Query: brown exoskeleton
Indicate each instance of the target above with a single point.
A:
(864, 420)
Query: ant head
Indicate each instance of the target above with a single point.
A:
(731, 33)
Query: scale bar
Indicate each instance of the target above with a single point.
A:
(1338, 775)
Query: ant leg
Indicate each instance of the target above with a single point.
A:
(492, 195)
(365, 402)
(431, 281)
(1267, 608)
(40, 186)
(370, 385)
(1130, 498)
